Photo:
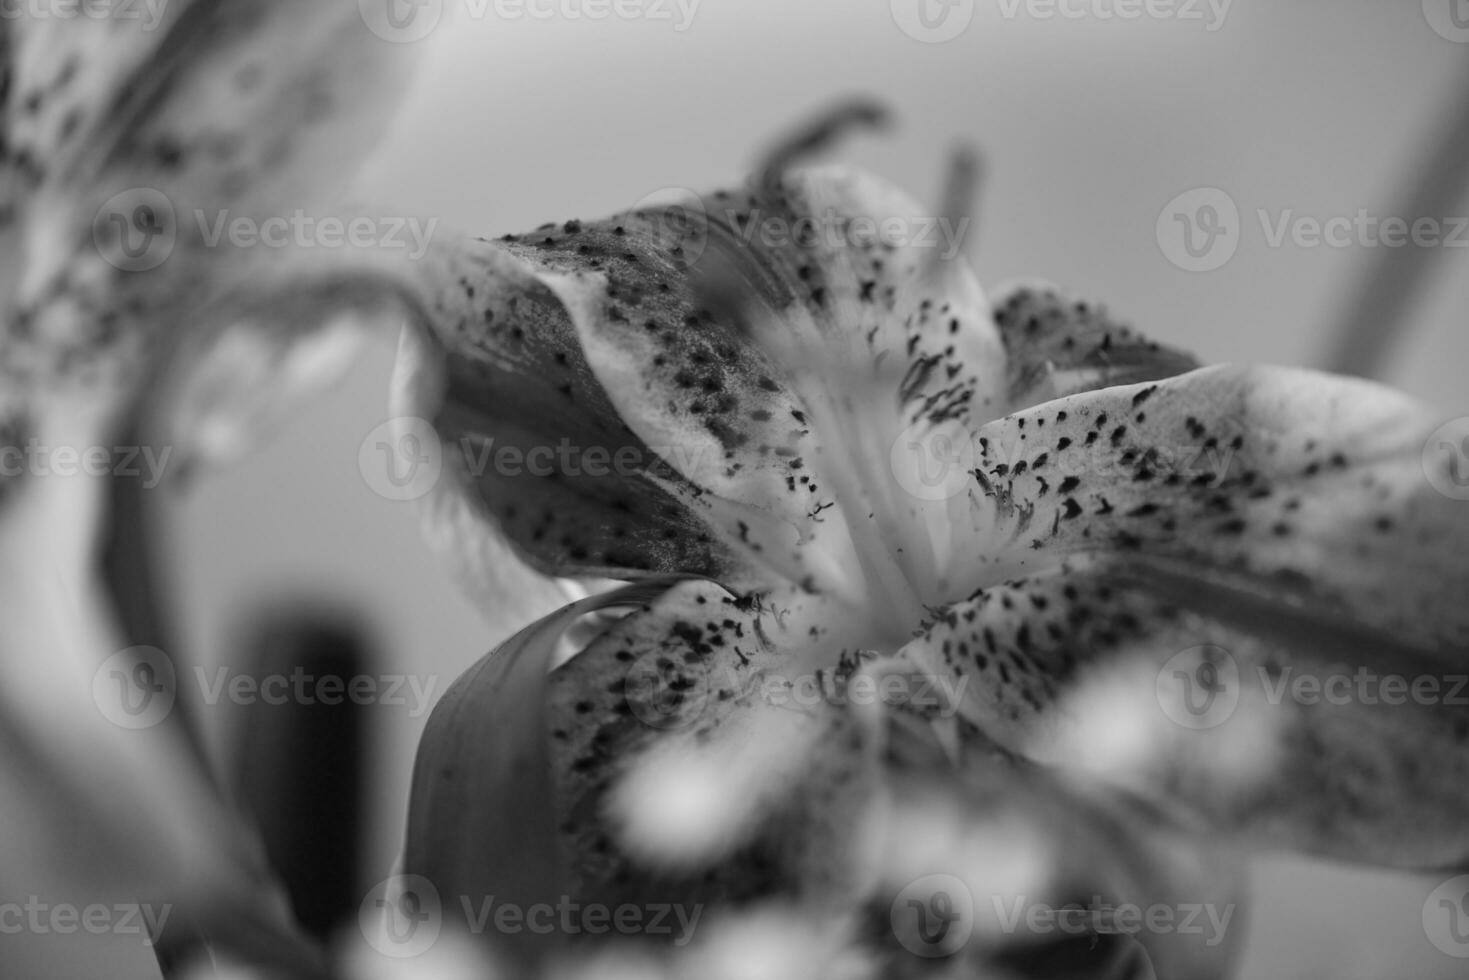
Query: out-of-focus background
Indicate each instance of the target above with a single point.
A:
(1091, 126)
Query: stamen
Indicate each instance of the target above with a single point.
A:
(957, 206)
(819, 134)
(1374, 321)
(850, 453)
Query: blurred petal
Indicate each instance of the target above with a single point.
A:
(223, 109)
(113, 799)
(1055, 346)
(1081, 669)
(130, 145)
(1000, 847)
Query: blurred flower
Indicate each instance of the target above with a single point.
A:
(123, 141)
(1008, 517)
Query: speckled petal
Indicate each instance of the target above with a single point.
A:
(1287, 518)
(763, 350)
(1089, 671)
(678, 743)
(1306, 485)
(131, 146)
(534, 449)
(1056, 345)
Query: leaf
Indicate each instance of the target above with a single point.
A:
(481, 818)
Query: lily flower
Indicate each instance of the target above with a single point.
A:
(831, 464)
